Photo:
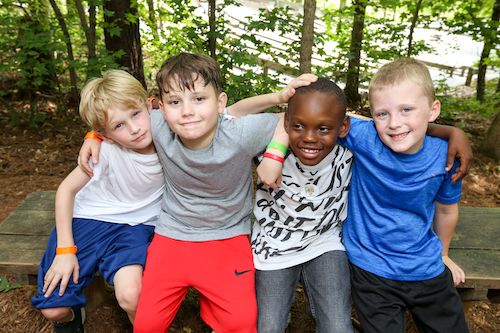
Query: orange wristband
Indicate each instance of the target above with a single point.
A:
(67, 250)
(93, 135)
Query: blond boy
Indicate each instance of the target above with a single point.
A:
(104, 223)
(403, 209)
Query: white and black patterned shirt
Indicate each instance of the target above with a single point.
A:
(303, 219)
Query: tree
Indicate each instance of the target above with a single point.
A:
(352, 80)
(490, 144)
(122, 35)
(212, 36)
(412, 27)
(306, 43)
(89, 30)
(490, 37)
(72, 71)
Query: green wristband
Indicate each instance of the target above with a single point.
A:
(279, 146)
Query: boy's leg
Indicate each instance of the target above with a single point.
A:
(275, 294)
(436, 305)
(225, 277)
(378, 302)
(327, 284)
(68, 306)
(127, 281)
(164, 284)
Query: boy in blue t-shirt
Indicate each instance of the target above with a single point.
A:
(403, 209)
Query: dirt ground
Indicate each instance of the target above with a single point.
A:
(37, 159)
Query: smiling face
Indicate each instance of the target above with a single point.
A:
(401, 113)
(130, 128)
(313, 122)
(193, 114)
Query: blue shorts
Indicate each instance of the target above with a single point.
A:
(102, 246)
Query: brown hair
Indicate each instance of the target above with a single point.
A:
(185, 68)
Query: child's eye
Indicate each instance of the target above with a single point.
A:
(324, 130)
(136, 113)
(118, 126)
(407, 109)
(199, 99)
(381, 115)
(173, 102)
(298, 126)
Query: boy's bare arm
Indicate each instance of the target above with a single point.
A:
(458, 147)
(65, 266)
(269, 170)
(445, 221)
(260, 103)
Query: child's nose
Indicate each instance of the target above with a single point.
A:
(394, 121)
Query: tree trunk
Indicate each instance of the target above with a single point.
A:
(212, 36)
(152, 18)
(72, 72)
(490, 41)
(307, 40)
(128, 40)
(89, 31)
(414, 21)
(352, 80)
(490, 146)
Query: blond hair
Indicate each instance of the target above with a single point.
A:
(401, 70)
(116, 88)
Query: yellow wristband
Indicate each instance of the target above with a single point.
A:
(93, 135)
(279, 146)
(67, 250)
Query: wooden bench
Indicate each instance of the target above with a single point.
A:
(475, 246)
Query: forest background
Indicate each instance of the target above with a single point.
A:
(50, 48)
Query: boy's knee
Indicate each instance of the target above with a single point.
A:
(57, 314)
(128, 297)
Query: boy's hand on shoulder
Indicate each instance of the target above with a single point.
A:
(62, 269)
(457, 273)
(90, 149)
(459, 148)
(269, 172)
(300, 81)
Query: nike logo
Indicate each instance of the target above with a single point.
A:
(242, 272)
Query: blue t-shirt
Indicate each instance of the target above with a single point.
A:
(388, 230)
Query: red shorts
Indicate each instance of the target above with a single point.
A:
(221, 270)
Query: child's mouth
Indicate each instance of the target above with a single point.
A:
(398, 137)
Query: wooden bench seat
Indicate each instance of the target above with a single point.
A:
(475, 246)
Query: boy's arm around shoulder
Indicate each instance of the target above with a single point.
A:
(65, 266)
(458, 148)
(260, 103)
(445, 221)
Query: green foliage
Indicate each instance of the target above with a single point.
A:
(5, 285)
(452, 106)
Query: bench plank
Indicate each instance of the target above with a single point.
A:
(24, 234)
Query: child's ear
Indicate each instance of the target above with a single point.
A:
(222, 102)
(344, 127)
(435, 110)
(285, 121)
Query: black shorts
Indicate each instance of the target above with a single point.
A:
(381, 303)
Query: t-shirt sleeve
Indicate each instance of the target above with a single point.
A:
(256, 131)
(358, 130)
(157, 120)
(100, 168)
(450, 193)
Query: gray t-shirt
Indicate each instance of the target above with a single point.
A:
(208, 192)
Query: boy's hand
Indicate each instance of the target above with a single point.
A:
(62, 269)
(269, 172)
(300, 81)
(457, 273)
(459, 147)
(90, 148)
